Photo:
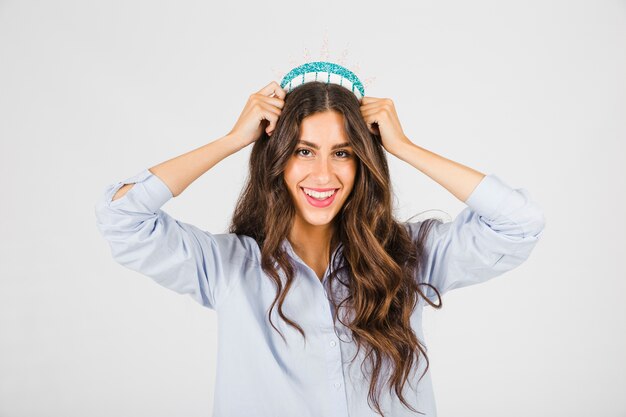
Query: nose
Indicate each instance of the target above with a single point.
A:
(322, 171)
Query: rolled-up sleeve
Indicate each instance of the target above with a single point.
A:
(176, 255)
(494, 234)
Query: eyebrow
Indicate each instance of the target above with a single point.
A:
(315, 146)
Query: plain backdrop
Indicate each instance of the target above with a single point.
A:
(94, 92)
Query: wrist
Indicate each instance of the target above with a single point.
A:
(401, 148)
(235, 141)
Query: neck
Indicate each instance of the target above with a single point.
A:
(311, 241)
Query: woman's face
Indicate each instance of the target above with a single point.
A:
(322, 162)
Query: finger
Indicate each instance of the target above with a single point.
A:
(272, 88)
(266, 107)
(280, 92)
(370, 105)
(369, 99)
(371, 119)
(368, 114)
(275, 101)
(271, 114)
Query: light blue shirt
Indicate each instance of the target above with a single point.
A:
(257, 373)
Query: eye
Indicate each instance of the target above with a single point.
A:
(345, 153)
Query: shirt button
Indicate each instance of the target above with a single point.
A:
(337, 384)
(333, 343)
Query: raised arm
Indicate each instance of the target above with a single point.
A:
(382, 120)
(459, 179)
(178, 255)
(177, 173)
(262, 106)
(494, 234)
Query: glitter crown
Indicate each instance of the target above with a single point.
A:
(324, 70)
(333, 73)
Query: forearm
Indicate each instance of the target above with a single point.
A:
(459, 179)
(177, 173)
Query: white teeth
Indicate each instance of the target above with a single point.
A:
(319, 195)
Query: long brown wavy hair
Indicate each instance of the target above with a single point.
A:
(379, 261)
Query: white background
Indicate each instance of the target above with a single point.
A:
(94, 92)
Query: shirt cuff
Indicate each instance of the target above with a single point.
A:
(149, 192)
(490, 195)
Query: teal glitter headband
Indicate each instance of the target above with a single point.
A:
(336, 74)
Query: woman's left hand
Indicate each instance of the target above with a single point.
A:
(382, 112)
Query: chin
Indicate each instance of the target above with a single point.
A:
(317, 219)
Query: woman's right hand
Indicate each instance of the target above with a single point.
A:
(262, 109)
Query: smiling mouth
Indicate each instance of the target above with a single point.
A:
(334, 190)
(320, 203)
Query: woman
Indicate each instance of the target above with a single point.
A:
(314, 252)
